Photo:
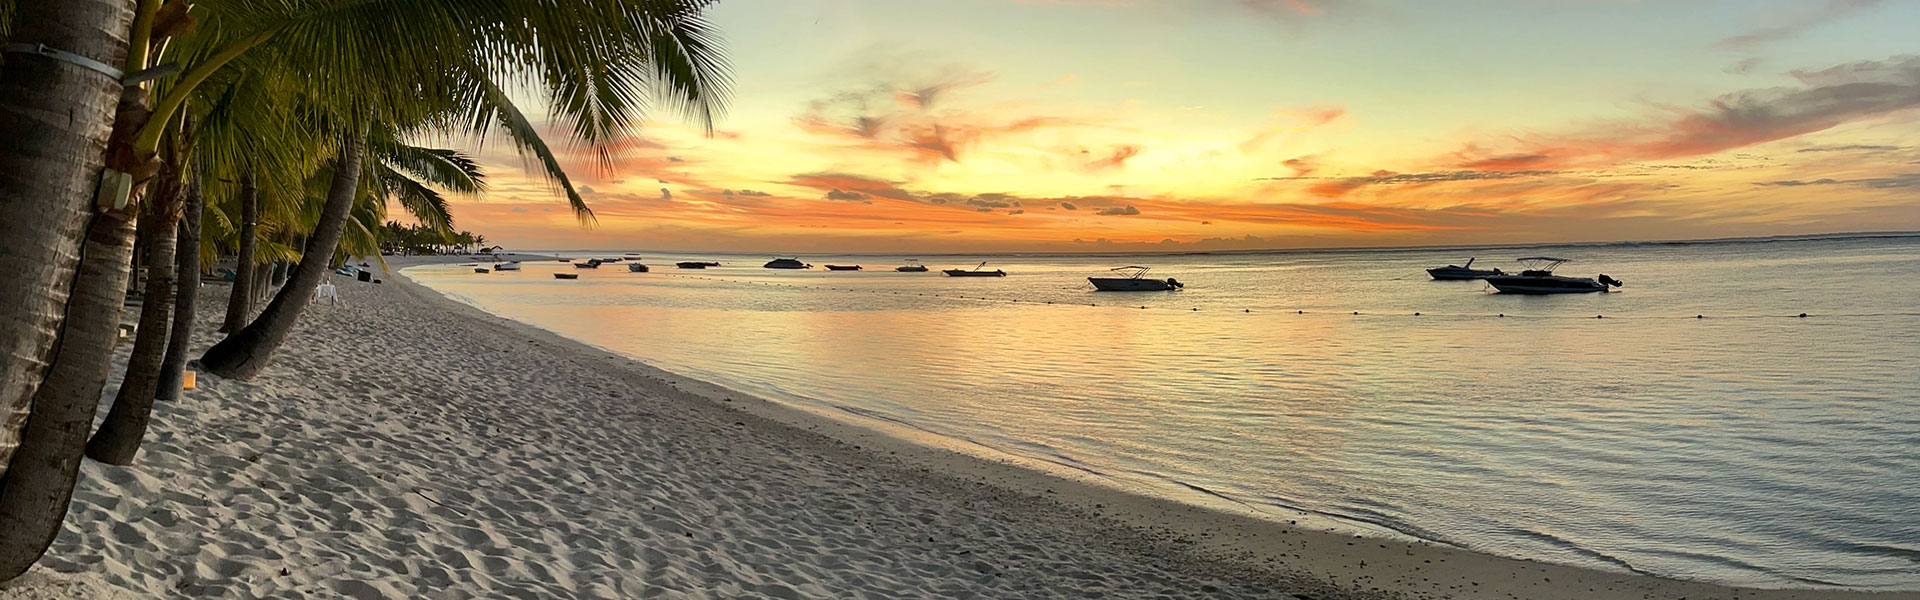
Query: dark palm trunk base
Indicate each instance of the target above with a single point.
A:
(244, 353)
(39, 485)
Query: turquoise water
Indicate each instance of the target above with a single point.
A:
(1749, 447)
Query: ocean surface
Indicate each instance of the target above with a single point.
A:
(1619, 431)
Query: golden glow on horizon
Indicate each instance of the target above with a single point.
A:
(904, 151)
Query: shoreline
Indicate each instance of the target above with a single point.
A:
(1240, 540)
(407, 444)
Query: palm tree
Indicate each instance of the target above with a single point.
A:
(55, 115)
(187, 266)
(596, 59)
(48, 175)
(159, 221)
(597, 81)
(238, 302)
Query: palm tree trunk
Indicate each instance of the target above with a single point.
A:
(38, 486)
(262, 285)
(187, 259)
(241, 300)
(243, 354)
(126, 423)
(55, 116)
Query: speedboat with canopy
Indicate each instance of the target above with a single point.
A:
(1134, 279)
(1537, 278)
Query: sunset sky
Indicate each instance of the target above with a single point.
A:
(1179, 125)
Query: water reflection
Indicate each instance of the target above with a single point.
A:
(1748, 447)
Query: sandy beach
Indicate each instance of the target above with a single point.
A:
(405, 445)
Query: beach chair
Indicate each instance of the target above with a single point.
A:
(328, 291)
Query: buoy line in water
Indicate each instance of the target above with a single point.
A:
(1269, 310)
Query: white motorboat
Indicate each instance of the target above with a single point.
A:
(1134, 279)
(507, 266)
(1537, 278)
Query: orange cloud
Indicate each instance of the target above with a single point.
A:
(1114, 159)
(902, 118)
(1827, 98)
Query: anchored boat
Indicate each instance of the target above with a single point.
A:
(507, 266)
(566, 275)
(1460, 272)
(976, 272)
(1134, 279)
(787, 263)
(1538, 278)
(913, 266)
(636, 268)
(843, 267)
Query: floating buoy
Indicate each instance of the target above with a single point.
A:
(1143, 308)
(1196, 309)
(1416, 314)
(1699, 316)
(1599, 316)
(1803, 315)
(1502, 315)
(1356, 312)
(1246, 310)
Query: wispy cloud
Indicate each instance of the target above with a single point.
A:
(1901, 181)
(1827, 98)
(1114, 159)
(907, 118)
(1829, 11)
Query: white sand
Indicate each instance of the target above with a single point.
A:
(408, 446)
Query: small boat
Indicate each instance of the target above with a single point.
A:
(566, 260)
(1134, 279)
(566, 275)
(692, 265)
(591, 264)
(843, 267)
(1462, 272)
(610, 260)
(913, 266)
(1537, 278)
(787, 263)
(633, 255)
(976, 272)
(481, 270)
(636, 268)
(507, 266)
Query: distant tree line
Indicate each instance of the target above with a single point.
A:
(399, 239)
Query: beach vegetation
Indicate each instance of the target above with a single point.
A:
(298, 122)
